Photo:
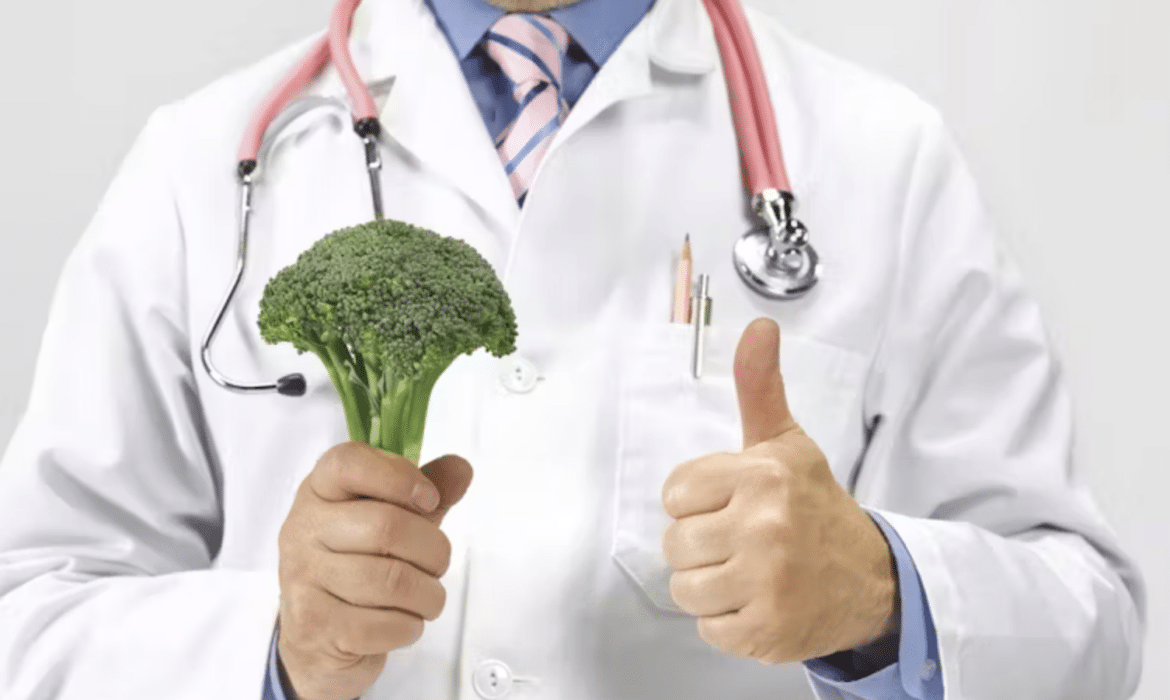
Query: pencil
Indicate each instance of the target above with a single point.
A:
(682, 286)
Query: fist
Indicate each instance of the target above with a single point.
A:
(361, 555)
(773, 557)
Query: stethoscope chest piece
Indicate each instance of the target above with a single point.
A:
(776, 260)
(783, 273)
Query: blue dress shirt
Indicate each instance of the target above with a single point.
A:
(902, 667)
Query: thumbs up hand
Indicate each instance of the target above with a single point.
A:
(773, 557)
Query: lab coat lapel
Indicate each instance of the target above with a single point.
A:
(427, 107)
(624, 76)
(675, 35)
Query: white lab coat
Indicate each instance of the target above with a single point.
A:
(140, 503)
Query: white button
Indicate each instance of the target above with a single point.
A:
(492, 679)
(517, 374)
(928, 669)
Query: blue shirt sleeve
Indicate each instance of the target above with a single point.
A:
(273, 683)
(878, 673)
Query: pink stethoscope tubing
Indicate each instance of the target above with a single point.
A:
(775, 261)
(751, 103)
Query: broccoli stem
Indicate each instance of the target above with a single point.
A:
(350, 370)
(404, 412)
(392, 402)
(415, 416)
(375, 436)
(340, 365)
(340, 378)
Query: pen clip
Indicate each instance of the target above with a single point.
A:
(701, 318)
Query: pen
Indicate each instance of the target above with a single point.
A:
(680, 313)
(701, 317)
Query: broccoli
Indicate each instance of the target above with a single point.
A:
(388, 307)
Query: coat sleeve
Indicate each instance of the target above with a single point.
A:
(110, 498)
(974, 466)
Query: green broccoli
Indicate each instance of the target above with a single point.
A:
(388, 307)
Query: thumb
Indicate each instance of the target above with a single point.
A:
(451, 475)
(763, 405)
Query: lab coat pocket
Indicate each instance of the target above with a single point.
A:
(667, 417)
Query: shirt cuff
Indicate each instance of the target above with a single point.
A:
(273, 685)
(915, 674)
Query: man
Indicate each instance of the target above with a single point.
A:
(884, 494)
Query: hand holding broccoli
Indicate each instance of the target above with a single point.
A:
(387, 307)
(361, 555)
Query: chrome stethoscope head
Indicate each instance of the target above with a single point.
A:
(776, 259)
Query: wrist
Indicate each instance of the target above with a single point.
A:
(284, 658)
(300, 677)
(863, 603)
(881, 608)
(310, 675)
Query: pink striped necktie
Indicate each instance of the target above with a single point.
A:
(530, 51)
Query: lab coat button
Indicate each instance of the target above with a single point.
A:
(929, 667)
(492, 679)
(518, 375)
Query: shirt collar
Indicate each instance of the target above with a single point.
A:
(598, 26)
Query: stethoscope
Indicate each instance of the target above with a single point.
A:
(775, 259)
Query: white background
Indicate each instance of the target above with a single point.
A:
(1063, 107)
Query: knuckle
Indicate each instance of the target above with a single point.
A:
(400, 473)
(682, 540)
(412, 630)
(351, 638)
(387, 528)
(439, 602)
(286, 539)
(709, 632)
(748, 641)
(333, 462)
(671, 546)
(725, 457)
(676, 495)
(293, 565)
(820, 463)
(298, 613)
(681, 590)
(753, 648)
(289, 569)
(674, 488)
(771, 474)
(296, 522)
(771, 635)
(444, 554)
(379, 635)
(396, 578)
(349, 464)
(364, 635)
(766, 524)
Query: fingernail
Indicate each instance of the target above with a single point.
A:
(426, 497)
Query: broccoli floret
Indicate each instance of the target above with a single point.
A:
(388, 307)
